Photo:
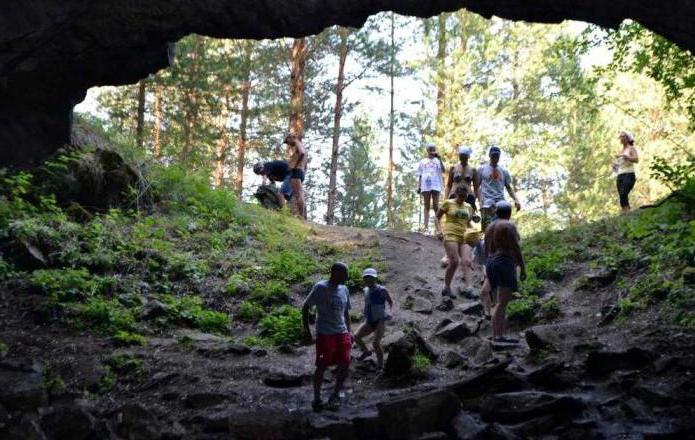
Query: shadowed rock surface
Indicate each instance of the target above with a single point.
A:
(52, 51)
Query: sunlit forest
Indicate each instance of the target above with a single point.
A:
(553, 97)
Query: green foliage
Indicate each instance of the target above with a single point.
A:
(283, 325)
(125, 338)
(522, 310)
(66, 285)
(108, 316)
(270, 292)
(53, 384)
(420, 364)
(190, 310)
(125, 365)
(237, 285)
(249, 311)
(550, 309)
(106, 382)
(290, 265)
(3, 349)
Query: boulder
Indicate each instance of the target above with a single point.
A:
(413, 415)
(549, 376)
(455, 331)
(452, 359)
(21, 385)
(26, 427)
(399, 361)
(281, 379)
(154, 309)
(470, 308)
(520, 406)
(134, 421)
(422, 305)
(495, 379)
(467, 426)
(552, 336)
(266, 423)
(446, 304)
(68, 422)
(605, 362)
(207, 399)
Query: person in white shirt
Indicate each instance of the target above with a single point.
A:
(430, 173)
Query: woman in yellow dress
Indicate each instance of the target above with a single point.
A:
(459, 239)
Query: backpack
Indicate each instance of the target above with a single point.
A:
(268, 196)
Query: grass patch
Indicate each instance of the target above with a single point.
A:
(250, 312)
(420, 364)
(189, 310)
(283, 325)
(124, 338)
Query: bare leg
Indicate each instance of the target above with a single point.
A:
(318, 381)
(453, 254)
(376, 344)
(426, 217)
(364, 330)
(341, 373)
(298, 196)
(467, 263)
(504, 295)
(435, 206)
(485, 295)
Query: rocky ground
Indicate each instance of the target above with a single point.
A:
(578, 376)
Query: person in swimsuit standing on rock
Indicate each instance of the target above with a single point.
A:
(503, 256)
(375, 299)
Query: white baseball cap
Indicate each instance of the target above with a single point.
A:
(369, 272)
(468, 151)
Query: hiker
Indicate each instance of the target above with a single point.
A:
(430, 184)
(503, 256)
(297, 160)
(490, 183)
(461, 174)
(276, 171)
(459, 238)
(333, 333)
(624, 167)
(503, 210)
(375, 298)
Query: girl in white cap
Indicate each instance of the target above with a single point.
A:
(375, 298)
(625, 168)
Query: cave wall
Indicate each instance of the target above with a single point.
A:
(52, 51)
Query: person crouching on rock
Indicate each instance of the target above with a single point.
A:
(375, 298)
(503, 255)
(333, 333)
(459, 237)
(276, 171)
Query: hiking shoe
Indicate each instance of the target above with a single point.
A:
(444, 262)
(447, 292)
(364, 355)
(317, 405)
(468, 292)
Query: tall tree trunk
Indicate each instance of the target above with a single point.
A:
(297, 76)
(222, 141)
(389, 177)
(441, 73)
(191, 102)
(158, 119)
(337, 115)
(140, 127)
(244, 117)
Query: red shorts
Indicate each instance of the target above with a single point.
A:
(333, 349)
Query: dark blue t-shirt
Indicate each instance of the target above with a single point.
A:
(374, 303)
(276, 170)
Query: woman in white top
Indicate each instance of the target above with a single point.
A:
(430, 173)
(625, 168)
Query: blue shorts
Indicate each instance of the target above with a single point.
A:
(286, 188)
(297, 173)
(501, 272)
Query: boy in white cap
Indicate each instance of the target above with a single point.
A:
(375, 298)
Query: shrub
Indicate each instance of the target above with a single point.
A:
(420, 364)
(283, 325)
(290, 265)
(66, 285)
(53, 384)
(523, 309)
(107, 315)
(237, 285)
(550, 309)
(124, 338)
(125, 364)
(270, 292)
(3, 349)
(189, 309)
(249, 311)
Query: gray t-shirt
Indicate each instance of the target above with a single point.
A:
(492, 183)
(331, 303)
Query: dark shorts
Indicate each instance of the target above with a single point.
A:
(501, 272)
(333, 350)
(433, 192)
(297, 173)
(625, 182)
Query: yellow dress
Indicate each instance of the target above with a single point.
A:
(456, 220)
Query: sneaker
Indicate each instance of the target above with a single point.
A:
(447, 292)
(317, 405)
(364, 355)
